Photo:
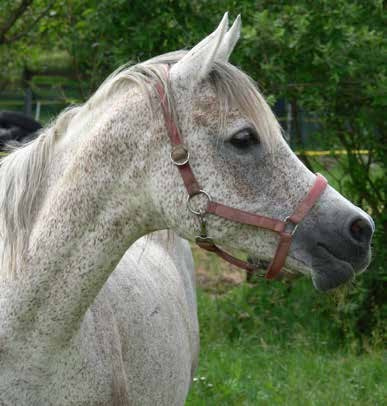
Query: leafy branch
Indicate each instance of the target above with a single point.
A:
(14, 16)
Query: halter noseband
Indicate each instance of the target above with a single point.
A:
(285, 228)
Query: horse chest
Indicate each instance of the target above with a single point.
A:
(137, 345)
(135, 350)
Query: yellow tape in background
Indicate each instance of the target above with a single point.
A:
(334, 152)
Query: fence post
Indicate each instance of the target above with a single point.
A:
(27, 75)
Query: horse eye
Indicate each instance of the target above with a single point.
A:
(244, 139)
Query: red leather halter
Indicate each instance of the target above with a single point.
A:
(285, 228)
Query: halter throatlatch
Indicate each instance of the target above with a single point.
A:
(284, 228)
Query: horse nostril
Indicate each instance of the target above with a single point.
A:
(361, 230)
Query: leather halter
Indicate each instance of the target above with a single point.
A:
(284, 228)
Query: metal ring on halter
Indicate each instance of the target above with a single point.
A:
(183, 158)
(289, 221)
(191, 209)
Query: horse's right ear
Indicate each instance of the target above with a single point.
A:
(229, 40)
(197, 63)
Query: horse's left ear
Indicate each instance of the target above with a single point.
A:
(197, 63)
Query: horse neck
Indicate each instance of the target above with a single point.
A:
(90, 215)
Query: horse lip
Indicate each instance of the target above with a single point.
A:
(331, 255)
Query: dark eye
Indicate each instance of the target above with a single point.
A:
(244, 139)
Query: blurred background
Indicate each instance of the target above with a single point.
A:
(322, 67)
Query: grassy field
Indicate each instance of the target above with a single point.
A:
(272, 343)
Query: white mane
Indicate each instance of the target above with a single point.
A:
(22, 172)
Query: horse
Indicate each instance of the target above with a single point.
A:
(162, 145)
(16, 128)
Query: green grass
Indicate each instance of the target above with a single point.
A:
(250, 359)
(249, 373)
(276, 343)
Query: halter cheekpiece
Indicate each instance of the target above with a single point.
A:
(284, 228)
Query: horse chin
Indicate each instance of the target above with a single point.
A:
(329, 271)
(331, 278)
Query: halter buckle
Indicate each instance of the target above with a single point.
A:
(200, 240)
(179, 155)
(203, 238)
(290, 226)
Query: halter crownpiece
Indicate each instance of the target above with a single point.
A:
(285, 228)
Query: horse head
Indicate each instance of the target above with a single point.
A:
(239, 157)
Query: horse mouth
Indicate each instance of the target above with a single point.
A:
(330, 254)
(329, 270)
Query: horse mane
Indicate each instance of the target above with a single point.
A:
(22, 173)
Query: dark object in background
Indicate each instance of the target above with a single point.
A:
(16, 128)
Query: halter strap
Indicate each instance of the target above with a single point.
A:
(285, 228)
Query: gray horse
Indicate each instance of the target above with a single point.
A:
(83, 323)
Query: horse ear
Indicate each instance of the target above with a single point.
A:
(229, 40)
(197, 63)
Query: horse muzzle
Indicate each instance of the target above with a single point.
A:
(340, 248)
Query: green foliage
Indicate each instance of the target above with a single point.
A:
(280, 349)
